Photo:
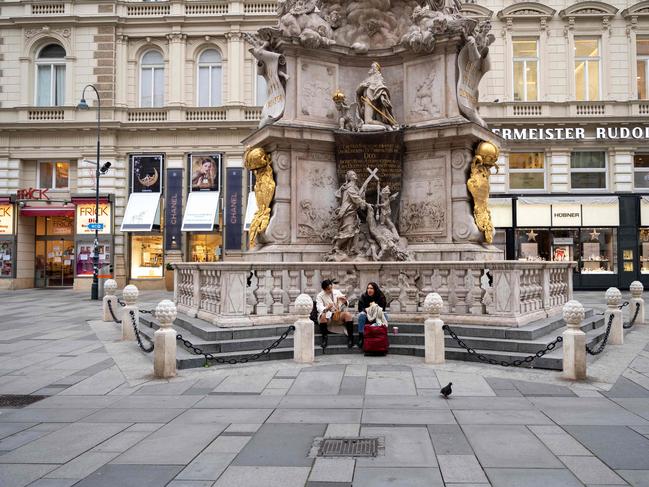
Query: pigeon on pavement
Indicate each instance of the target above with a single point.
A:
(446, 390)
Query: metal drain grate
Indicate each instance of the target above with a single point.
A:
(348, 447)
(18, 401)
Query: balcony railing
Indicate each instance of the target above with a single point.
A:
(576, 110)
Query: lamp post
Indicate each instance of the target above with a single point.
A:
(94, 291)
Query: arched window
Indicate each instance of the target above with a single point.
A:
(50, 76)
(209, 78)
(152, 80)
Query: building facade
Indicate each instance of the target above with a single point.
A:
(178, 91)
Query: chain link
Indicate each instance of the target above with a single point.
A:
(514, 363)
(120, 302)
(628, 325)
(602, 345)
(249, 358)
(110, 308)
(138, 337)
(623, 305)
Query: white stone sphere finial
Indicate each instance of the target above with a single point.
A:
(636, 289)
(433, 304)
(613, 297)
(166, 312)
(130, 294)
(303, 305)
(573, 313)
(110, 286)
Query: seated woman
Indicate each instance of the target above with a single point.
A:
(332, 314)
(373, 294)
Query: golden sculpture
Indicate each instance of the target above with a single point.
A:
(260, 162)
(486, 157)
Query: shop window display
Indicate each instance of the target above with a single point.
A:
(85, 254)
(205, 247)
(598, 251)
(6, 258)
(146, 257)
(533, 244)
(644, 250)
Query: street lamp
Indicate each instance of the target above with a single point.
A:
(94, 291)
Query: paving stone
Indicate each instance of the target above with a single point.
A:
(155, 402)
(272, 477)
(20, 439)
(531, 477)
(397, 477)
(227, 444)
(282, 445)
(321, 402)
(407, 416)
(320, 383)
(356, 370)
(328, 484)
(75, 402)
(332, 470)
(190, 483)
(20, 475)
(617, 446)
(639, 406)
(233, 402)
(488, 403)
(46, 415)
(244, 383)
(461, 468)
(165, 388)
(626, 388)
(145, 427)
(586, 415)
(182, 442)
(342, 430)
(352, 385)
(122, 441)
(280, 383)
(404, 447)
(207, 466)
(465, 384)
(426, 382)
(539, 389)
(133, 416)
(405, 402)
(558, 441)
(448, 439)
(509, 446)
(636, 478)
(242, 429)
(507, 393)
(223, 416)
(112, 475)
(83, 465)
(500, 416)
(315, 416)
(591, 470)
(274, 392)
(498, 383)
(63, 445)
(54, 483)
(390, 382)
(8, 429)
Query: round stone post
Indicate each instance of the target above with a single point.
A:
(303, 336)
(433, 332)
(613, 301)
(109, 295)
(130, 294)
(574, 342)
(164, 339)
(636, 289)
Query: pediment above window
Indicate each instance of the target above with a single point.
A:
(640, 9)
(476, 11)
(526, 10)
(589, 10)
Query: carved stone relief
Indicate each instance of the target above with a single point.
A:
(425, 90)
(315, 205)
(317, 84)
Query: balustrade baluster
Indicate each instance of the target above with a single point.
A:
(277, 307)
(293, 288)
(261, 292)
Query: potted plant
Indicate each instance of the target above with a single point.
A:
(169, 277)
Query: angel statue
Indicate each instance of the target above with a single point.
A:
(384, 209)
(347, 113)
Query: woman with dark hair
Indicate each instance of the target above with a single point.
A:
(373, 294)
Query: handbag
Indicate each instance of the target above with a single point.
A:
(336, 315)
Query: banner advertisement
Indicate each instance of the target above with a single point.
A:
(173, 209)
(206, 172)
(146, 173)
(232, 209)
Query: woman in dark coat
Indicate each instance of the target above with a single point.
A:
(373, 294)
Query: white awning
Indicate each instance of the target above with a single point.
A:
(251, 209)
(142, 212)
(501, 212)
(201, 211)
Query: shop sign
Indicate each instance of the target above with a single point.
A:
(32, 194)
(86, 217)
(566, 215)
(233, 203)
(563, 241)
(573, 133)
(173, 209)
(6, 219)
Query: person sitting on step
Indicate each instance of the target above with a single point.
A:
(332, 313)
(373, 294)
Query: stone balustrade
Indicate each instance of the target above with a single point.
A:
(497, 293)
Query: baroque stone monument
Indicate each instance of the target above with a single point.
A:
(371, 133)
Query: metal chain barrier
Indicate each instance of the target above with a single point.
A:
(110, 308)
(622, 306)
(601, 346)
(514, 363)
(628, 325)
(120, 302)
(243, 360)
(138, 337)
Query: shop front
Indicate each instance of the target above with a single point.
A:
(85, 236)
(7, 241)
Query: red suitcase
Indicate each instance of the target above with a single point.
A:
(375, 340)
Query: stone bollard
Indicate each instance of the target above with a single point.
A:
(574, 342)
(164, 339)
(109, 295)
(613, 301)
(303, 336)
(636, 289)
(433, 332)
(130, 294)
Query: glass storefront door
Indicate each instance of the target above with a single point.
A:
(54, 263)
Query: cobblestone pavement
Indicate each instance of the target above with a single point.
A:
(106, 422)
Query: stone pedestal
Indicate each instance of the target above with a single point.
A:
(636, 289)
(574, 342)
(109, 295)
(130, 295)
(613, 301)
(303, 336)
(164, 353)
(433, 332)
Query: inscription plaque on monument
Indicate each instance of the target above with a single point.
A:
(384, 151)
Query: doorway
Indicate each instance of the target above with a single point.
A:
(54, 252)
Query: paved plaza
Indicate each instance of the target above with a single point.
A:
(107, 422)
